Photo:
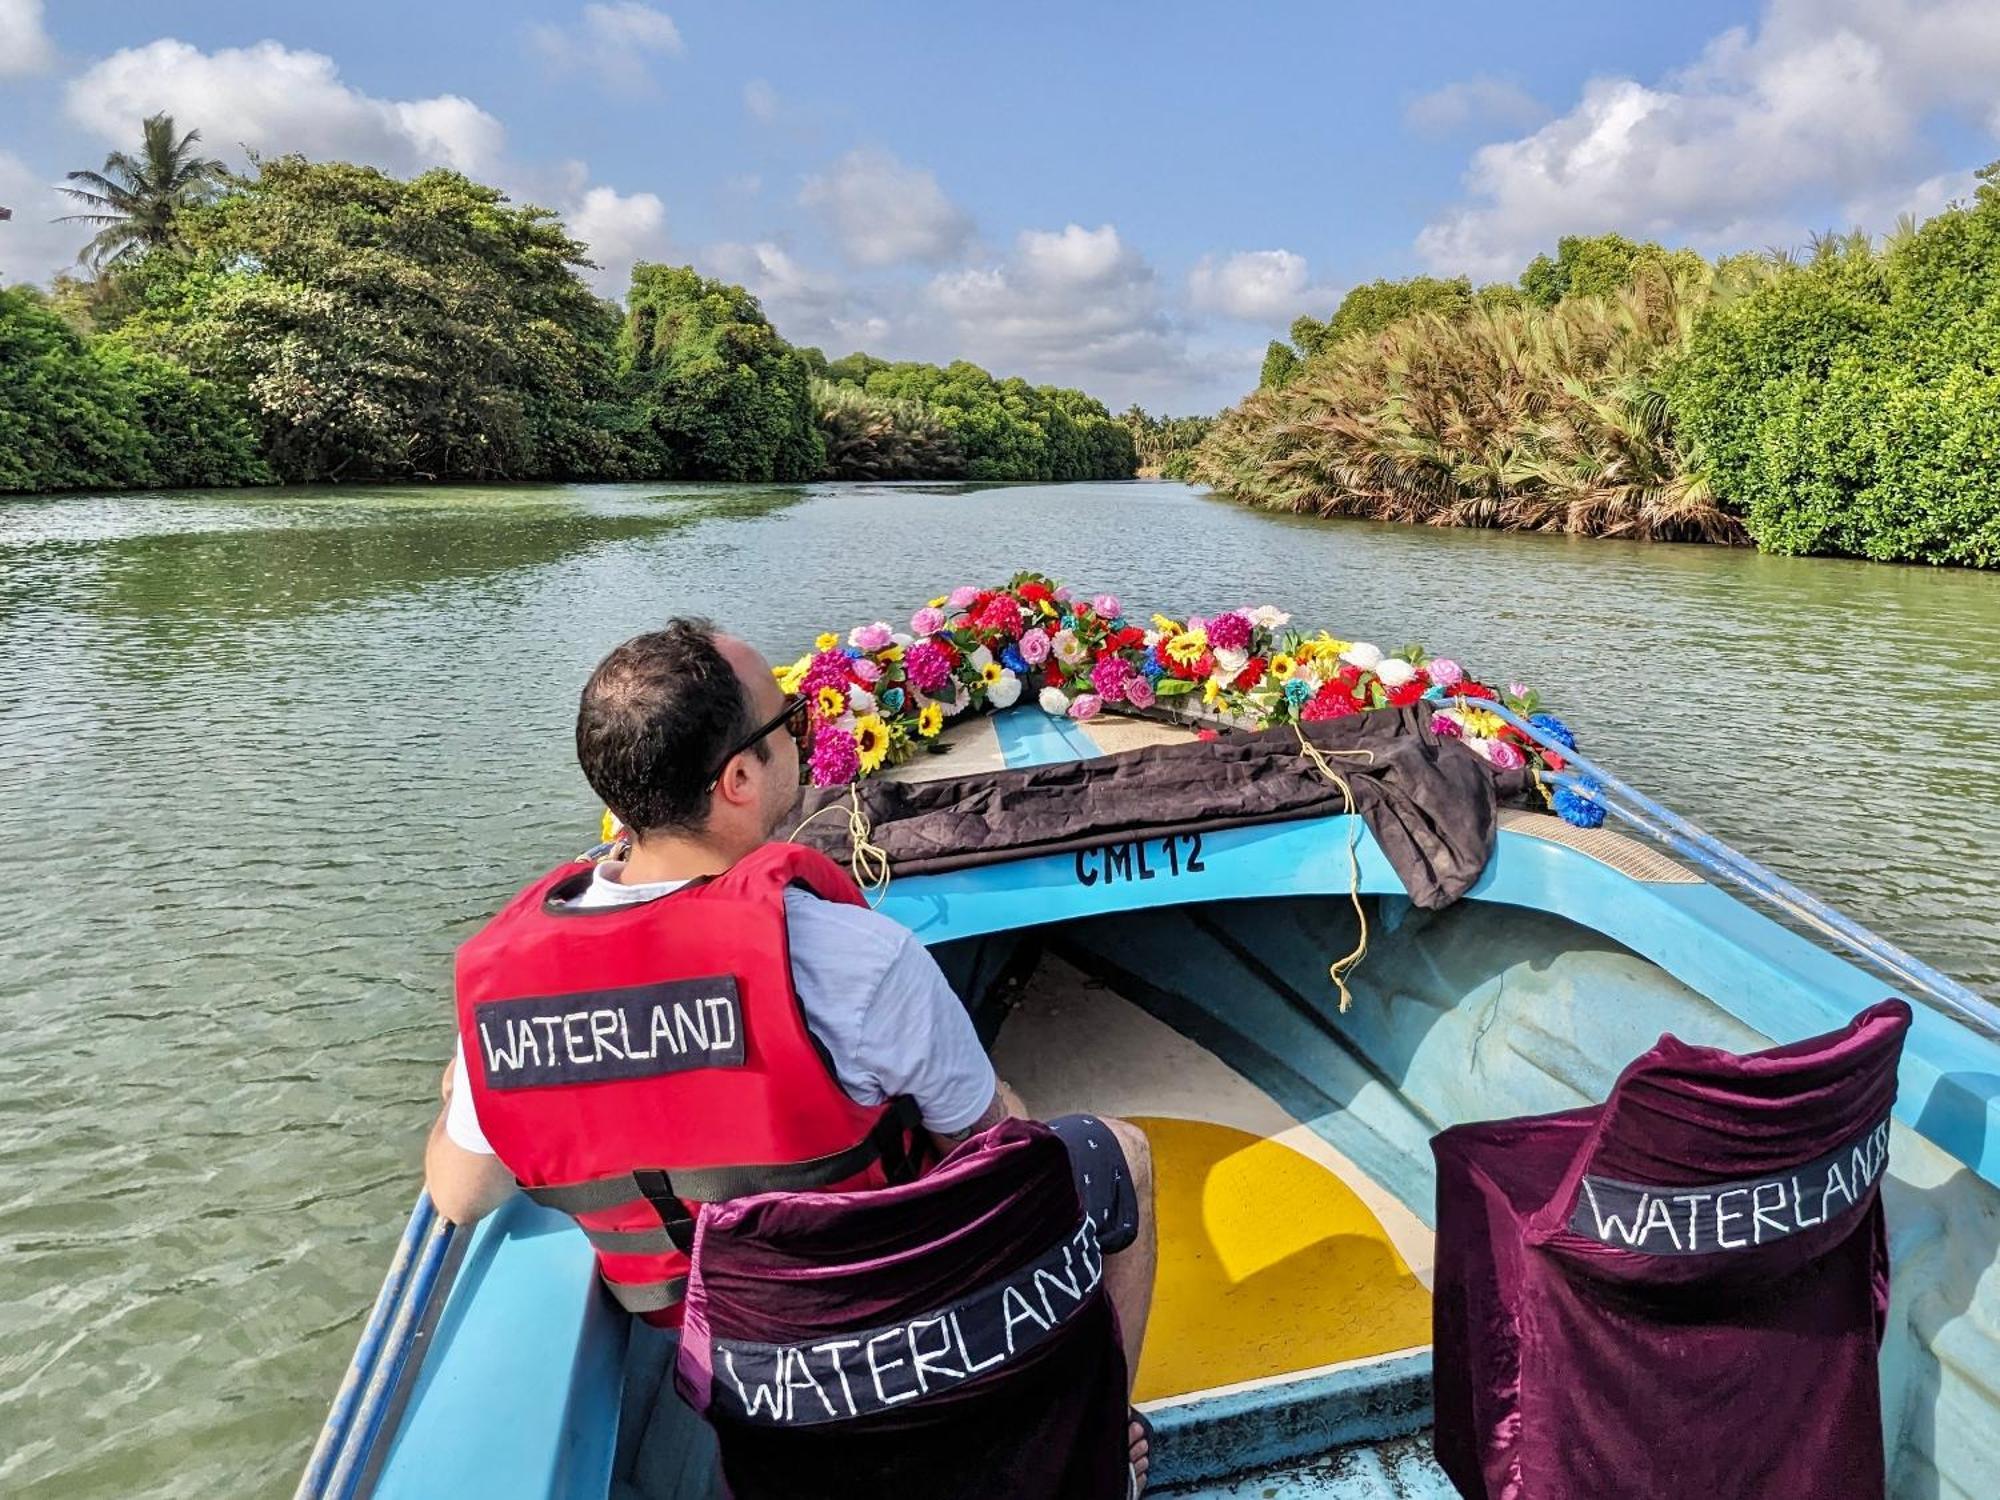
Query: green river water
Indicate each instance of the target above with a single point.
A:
(269, 755)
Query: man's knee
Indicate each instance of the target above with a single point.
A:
(1138, 1152)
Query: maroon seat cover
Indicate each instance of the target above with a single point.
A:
(1681, 1292)
(859, 1343)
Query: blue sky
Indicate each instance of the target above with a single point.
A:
(1130, 197)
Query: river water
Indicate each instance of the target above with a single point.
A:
(269, 755)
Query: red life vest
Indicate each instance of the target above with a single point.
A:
(630, 1063)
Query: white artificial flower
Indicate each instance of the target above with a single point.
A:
(1363, 654)
(1229, 663)
(1006, 692)
(861, 700)
(953, 705)
(979, 659)
(1394, 671)
(1069, 650)
(1054, 701)
(902, 638)
(1268, 618)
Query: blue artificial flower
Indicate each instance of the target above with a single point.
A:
(1152, 669)
(1012, 660)
(1434, 693)
(1069, 622)
(891, 699)
(1558, 731)
(1298, 692)
(852, 653)
(1574, 806)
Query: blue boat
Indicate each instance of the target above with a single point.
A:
(1183, 981)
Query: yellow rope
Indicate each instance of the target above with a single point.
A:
(1340, 968)
(869, 861)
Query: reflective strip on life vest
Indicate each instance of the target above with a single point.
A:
(643, 1297)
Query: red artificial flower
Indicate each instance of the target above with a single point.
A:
(1330, 702)
(1205, 734)
(1409, 692)
(1553, 761)
(952, 653)
(1001, 616)
(1471, 689)
(1052, 676)
(1251, 675)
(1035, 593)
(1124, 639)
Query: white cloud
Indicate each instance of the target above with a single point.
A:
(616, 43)
(24, 42)
(271, 99)
(760, 100)
(1825, 98)
(883, 212)
(1257, 286)
(806, 305)
(1071, 304)
(1474, 102)
(619, 228)
(32, 246)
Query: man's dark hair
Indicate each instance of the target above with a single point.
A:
(656, 716)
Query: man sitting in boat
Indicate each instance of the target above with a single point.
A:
(718, 997)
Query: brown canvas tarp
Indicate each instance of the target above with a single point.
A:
(1429, 801)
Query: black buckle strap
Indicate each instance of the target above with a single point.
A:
(658, 1189)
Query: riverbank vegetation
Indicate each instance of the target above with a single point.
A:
(1846, 401)
(316, 321)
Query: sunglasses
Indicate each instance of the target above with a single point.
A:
(795, 717)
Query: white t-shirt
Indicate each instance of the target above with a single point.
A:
(872, 994)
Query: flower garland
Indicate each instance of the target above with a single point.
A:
(881, 695)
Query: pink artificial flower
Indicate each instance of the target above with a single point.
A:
(1506, 755)
(1517, 690)
(828, 669)
(1443, 671)
(870, 637)
(1034, 647)
(1107, 606)
(1001, 616)
(1229, 632)
(1085, 706)
(836, 759)
(927, 621)
(1063, 594)
(869, 671)
(962, 597)
(927, 666)
(1139, 691)
(1112, 678)
(1446, 725)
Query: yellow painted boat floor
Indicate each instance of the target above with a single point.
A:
(1277, 1255)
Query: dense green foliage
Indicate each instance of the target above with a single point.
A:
(320, 320)
(716, 394)
(1846, 403)
(379, 328)
(1501, 416)
(85, 413)
(880, 437)
(1003, 429)
(1165, 445)
(1851, 403)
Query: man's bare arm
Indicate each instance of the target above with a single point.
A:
(465, 1185)
(1005, 1103)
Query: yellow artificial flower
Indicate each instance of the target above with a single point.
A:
(609, 828)
(871, 738)
(931, 720)
(939, 602)
(1186, 647)
(1211, 690)
(1282, 666)
(825, 641)
(890, 652)
(1048, 609)
(1479, 723)
(831, 703)
(790, 677)
(991, 673)
(1165, 626)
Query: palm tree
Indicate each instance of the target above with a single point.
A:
(135, 200)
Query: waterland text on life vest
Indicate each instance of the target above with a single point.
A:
(639, 1031)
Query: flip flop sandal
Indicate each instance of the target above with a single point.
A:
(1133, 1483)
